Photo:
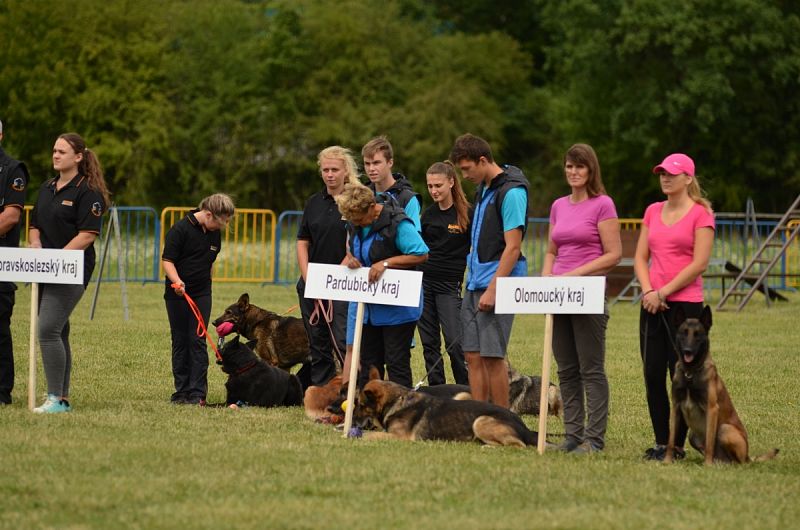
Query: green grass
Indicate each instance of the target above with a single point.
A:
(126, 458)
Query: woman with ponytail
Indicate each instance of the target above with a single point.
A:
(67, 215)
(674, 247)
(445, 229)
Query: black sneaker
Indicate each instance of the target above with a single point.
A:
(656, 452)
(5, 399)
(195, 400)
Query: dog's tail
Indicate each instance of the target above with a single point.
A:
(769, 455)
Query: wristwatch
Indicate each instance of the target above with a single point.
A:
(385, 264)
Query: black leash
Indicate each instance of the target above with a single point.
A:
(446, 349)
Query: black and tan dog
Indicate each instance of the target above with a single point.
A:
(404, 414)
(699, 394)
(254, 382)
(281, 341)
(525, 392)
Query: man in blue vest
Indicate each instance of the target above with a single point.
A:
(498, 228)
(13, 181)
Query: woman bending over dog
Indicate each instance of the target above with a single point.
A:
(382, 237)
(190, 248)
(672, 252)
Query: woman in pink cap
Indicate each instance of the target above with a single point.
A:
(672, 252)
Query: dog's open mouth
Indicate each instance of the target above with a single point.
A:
(688, 357)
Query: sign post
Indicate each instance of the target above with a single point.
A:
(337, 282)
(549, 295)
(35, 266)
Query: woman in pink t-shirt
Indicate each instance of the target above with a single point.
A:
(673, 251)
(583, 241)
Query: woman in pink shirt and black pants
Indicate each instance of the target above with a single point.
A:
(673, 250)
(584, 241)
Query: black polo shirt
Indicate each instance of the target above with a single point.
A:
(61, 215)
(325, 230)
(13, 182)
(193, 251)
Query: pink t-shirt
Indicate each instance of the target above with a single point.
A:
(574, 230)
(672, 248)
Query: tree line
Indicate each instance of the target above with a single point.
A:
(182, 98)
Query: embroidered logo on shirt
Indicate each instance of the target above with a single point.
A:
(97, 209)
(454, 229)
(214, 249)
(66, 203)
(18, 184)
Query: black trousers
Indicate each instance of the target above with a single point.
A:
(442, 310)
(189, 353)
(322, 367)
(390, 346)
(6, 346)
(659, 355)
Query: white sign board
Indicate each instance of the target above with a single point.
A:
(337, 282)
(551, 295)
(41, 265)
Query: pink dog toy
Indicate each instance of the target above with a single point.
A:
(224, 328)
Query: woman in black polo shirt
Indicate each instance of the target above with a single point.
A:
(67, 215)
(190, 248)
(322, 238)
(445, 229)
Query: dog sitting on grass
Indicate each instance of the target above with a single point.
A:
(699, 394)
(254, 382)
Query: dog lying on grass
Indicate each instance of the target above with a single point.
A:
(281, 341)
(699, 394)
(254, 382)
(401, 413)
(323, 403)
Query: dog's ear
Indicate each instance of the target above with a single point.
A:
(252, 344)
(705, 317)
(679, 316)
(374, 373)
(234, 341)
(244, 301)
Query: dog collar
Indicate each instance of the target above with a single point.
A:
(248, 366)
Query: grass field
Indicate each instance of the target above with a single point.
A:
(126, 458)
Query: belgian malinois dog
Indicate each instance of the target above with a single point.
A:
(281, 341)
(699, 394)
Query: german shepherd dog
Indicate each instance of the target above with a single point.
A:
(401, 413)
(281, 341)
(254, 382)
(699, 394)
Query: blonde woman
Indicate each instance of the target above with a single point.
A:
(190, 248)
(673, 250)
(322, 238)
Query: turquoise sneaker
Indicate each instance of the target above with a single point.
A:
(52, 405)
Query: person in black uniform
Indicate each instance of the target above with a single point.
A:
(322, 238)
(13, 182)
(190, 248)
(445, 229)
(67, 215)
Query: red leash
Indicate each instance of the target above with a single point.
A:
(201, 328)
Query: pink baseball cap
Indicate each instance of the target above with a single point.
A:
(675, 164)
